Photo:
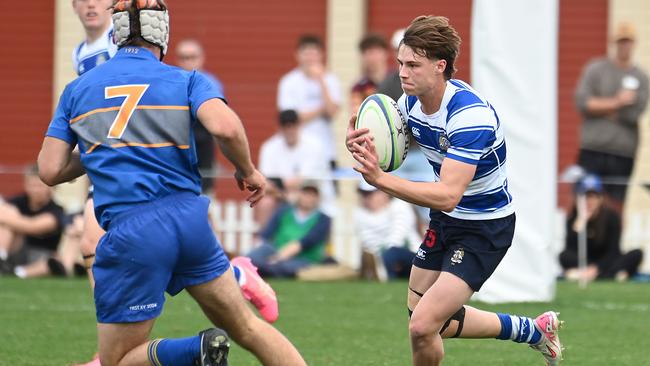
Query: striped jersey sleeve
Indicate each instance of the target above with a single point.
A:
(470, 130)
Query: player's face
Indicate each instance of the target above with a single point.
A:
(93, 14)
(418, 74)
(189, 56)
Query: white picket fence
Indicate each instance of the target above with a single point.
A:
(235, 227)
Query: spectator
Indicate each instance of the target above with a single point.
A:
(611, 96)
(288, 154)
(31, 225)
(374, 68)
(314, 93)
(386, 228)
(392, 85)
(603, 231)
(295, 237)
(190, 56)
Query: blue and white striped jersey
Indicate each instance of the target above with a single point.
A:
(465, 128)
(88, 55)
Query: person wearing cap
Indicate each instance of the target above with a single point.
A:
(611, 95)
(387, 230)
(603, 229)
(295, 236)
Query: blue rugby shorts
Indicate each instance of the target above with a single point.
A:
(163, 245)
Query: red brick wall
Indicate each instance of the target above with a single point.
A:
(386, 16)
(583, 36)
(249, 46)
(27, 40)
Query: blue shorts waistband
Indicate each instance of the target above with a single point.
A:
(148, 206)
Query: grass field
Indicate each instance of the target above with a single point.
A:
(51, 322)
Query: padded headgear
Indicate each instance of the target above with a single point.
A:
(153, 19)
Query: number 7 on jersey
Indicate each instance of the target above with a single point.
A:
(133, 94)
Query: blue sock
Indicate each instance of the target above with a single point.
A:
(176, 352)
(519, 329)
(237, 272)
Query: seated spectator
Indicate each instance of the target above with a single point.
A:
(31, 225)
(387, 230)
(290, 155)
(603, 233)
(295, 237)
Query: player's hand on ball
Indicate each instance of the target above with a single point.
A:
(353, 135)
(366, 155)
(255, 183)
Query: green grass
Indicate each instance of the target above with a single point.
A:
(51, 322)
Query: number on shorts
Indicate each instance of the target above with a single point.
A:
(133, 94)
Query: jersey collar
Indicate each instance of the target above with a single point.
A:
(135, 52)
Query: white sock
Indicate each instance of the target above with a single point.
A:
(4, 254)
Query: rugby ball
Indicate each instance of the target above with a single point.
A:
(379, 113)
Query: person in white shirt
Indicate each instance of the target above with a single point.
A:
(289, 155)
(313, 92)
(98, 47)
(387, 230)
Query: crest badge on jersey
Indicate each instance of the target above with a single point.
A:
(443, 141)
(100, 59)
(457, 258)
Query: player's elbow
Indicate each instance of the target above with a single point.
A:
(47, 176)
(47, 172)
(450, 202)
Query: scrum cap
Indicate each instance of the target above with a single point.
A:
(148, 19)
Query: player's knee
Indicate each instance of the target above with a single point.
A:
(420, 330)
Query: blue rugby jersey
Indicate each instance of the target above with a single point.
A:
(465, 128)
(132, 119)
(88, 55)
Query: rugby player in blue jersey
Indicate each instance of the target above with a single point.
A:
(472, 217)
(132, 119)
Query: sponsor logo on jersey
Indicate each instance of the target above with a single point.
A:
(143, 307)
(415, 131)
(430, 238)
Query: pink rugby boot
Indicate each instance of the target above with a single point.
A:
(549, 325)
(256, 290)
